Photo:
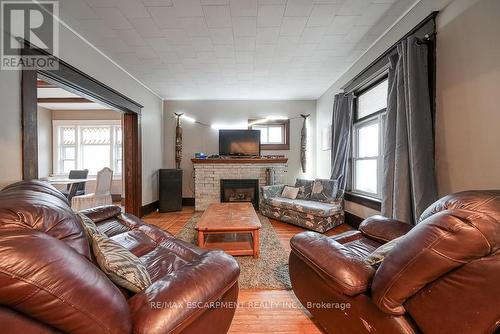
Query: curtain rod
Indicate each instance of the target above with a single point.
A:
(420, 25)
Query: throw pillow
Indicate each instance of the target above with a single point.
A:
(324, 190)
(118, 263)
(379, 254)
(290, 192)
(305, 188)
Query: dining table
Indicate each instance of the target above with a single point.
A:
(59, 181)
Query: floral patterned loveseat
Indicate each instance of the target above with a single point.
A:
(318, 206)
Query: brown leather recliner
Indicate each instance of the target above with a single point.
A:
(442, 277)
(49, 282)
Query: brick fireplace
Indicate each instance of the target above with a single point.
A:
(208, 174)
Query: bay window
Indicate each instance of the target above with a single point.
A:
(90, 145)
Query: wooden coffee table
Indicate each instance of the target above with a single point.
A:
(232, 227)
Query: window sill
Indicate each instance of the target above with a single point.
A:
(370, 202)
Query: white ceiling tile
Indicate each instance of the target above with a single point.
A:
(312, 34)
(132, 8)
(215, 2)
(244, 43)
(373, 13)
(341, 24)
(293, 26)
(195, 26)
(221, 35)
(146, 27)
(270, 16)
(322, 15)
(206, 57)
(97, 27)
(354, 7)
(159, 44)
(131, 37)
(245, 26)
(188, 8)
(186, 51)
(331, 42)
(177, 36)
(217, 16)
(224, 51)
(100, 3)
(78, 9)
(272, 2)
(267, 35)
(165, 17)
(202, 43)
(298, 8)
(157, 3)
(114, 18)
(243, 7)
(244, 57)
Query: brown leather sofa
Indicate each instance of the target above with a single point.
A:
(442, 277)
(49, 282)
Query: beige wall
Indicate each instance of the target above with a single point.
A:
(44, 119)
(198, 138)
(468, 98)
(468, 118)
(84, 57)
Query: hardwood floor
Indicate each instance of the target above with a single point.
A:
(260, 311)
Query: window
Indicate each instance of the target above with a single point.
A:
(90, 145)
(368, 135)
(274, 135)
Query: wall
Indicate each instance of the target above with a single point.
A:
(467, 136)
(468, 115)
(198, 138)
(79, 54)
(44, 118)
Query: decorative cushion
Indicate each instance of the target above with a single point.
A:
(290, 192)
(119, 264)
(324, 190)
(305, 188)
(379, 254)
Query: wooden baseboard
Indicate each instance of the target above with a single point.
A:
(187, 201)
(149, 208)
(352, 219)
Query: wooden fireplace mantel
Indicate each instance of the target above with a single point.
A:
(240, 161)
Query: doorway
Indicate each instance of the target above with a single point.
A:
(85, 90)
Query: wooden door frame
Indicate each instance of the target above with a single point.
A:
(78, 82)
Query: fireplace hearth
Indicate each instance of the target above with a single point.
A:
(240, 190)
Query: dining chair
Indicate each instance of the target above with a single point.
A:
(101, 196)
(75, 189)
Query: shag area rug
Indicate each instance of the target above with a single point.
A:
(269, 271)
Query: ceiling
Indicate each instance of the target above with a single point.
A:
(55, 98)
(233, 49)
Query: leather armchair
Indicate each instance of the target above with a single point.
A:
(442, 277)
(49, 282)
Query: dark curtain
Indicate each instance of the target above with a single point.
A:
(409, 185)
(341, 137)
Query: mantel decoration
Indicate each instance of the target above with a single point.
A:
(178, 141)
(303, 142)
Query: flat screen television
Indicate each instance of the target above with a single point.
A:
(243, 143)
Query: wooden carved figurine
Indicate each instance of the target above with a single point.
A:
(303, 143)
(178, 141)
